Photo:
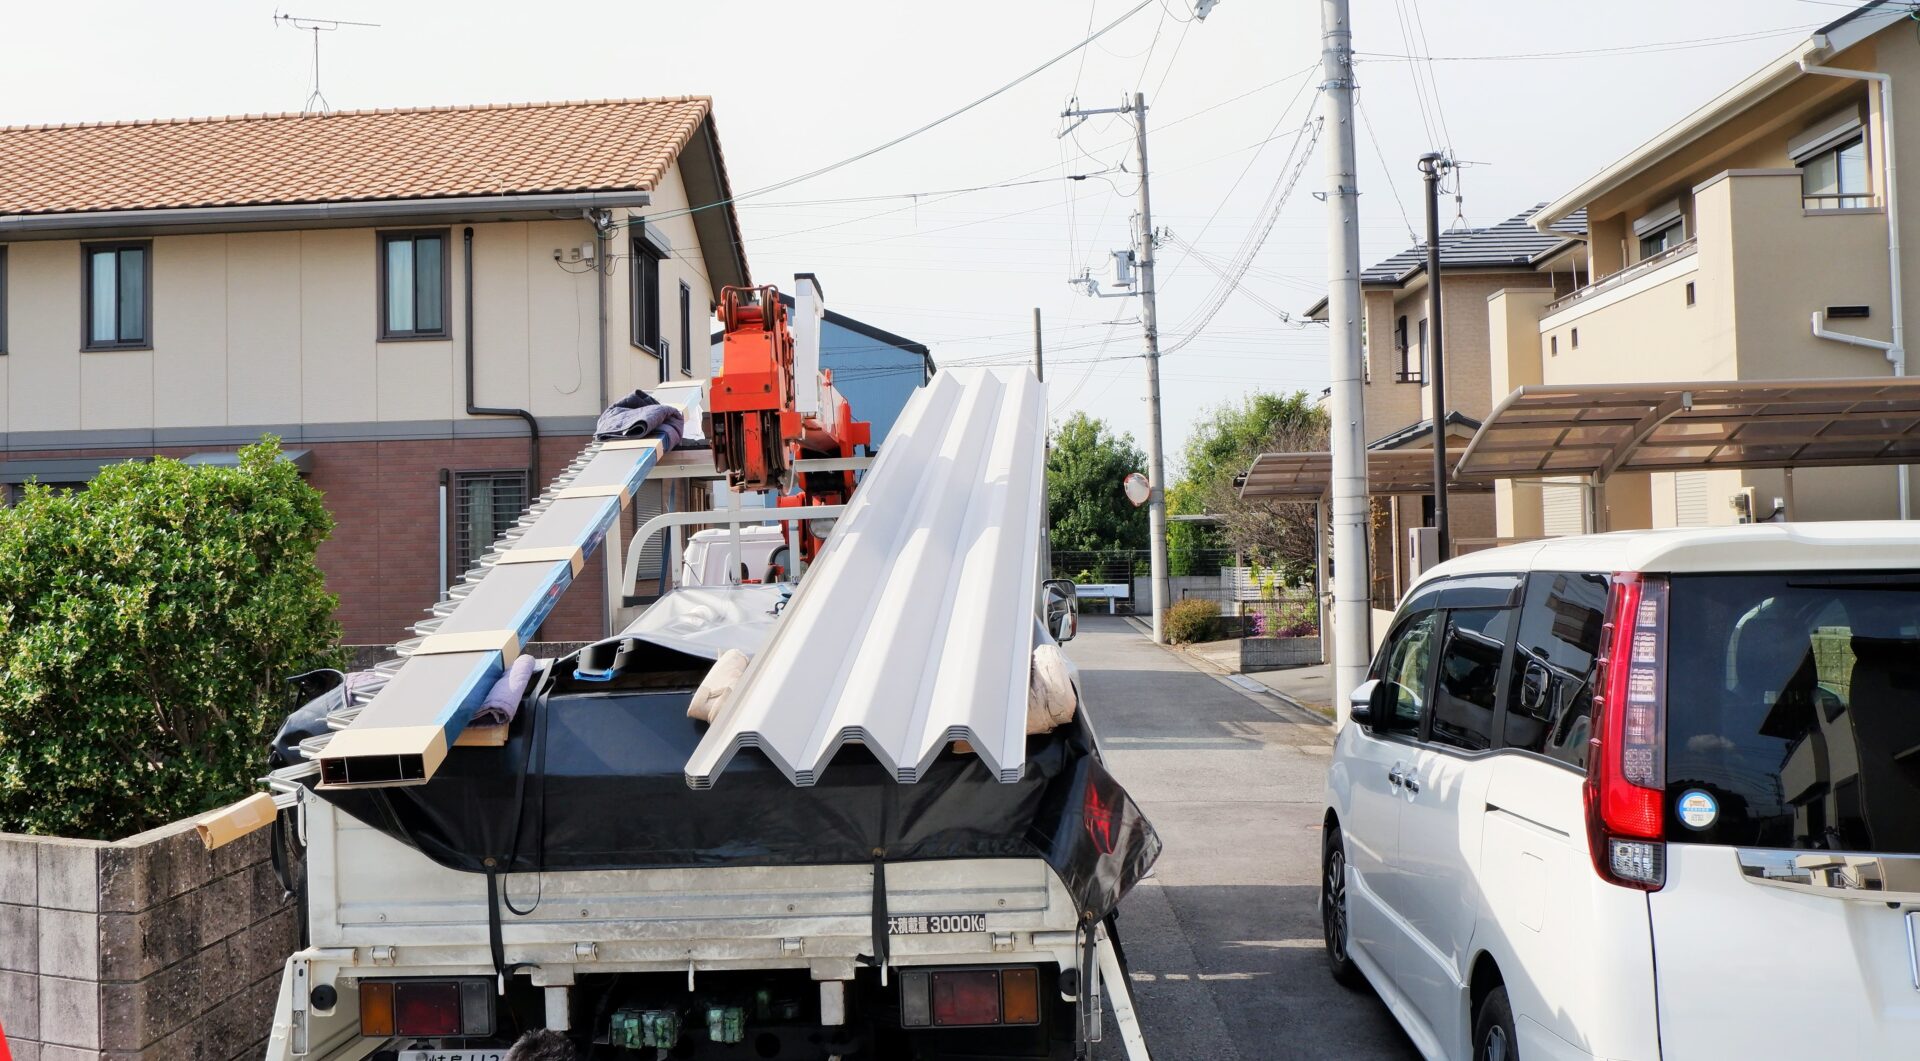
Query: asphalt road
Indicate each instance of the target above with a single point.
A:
(1223, 940)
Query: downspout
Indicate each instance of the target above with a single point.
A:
(533, 426)
(1896, 350)
(603, 265)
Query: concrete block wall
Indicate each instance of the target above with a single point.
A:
(146, 948)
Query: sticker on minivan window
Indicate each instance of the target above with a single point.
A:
(1697, 809)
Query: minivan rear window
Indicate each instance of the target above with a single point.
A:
(1793, 704)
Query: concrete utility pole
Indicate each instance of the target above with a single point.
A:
(1352, 619)
(1039, 356)
(1150, 321)
(1432, 165)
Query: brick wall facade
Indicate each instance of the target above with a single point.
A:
(143, 949)
(383, 560)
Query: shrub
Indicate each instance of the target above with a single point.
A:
(147, 624)
(1193, 619)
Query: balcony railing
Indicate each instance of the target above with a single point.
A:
(1639, 268)
(1837, 202)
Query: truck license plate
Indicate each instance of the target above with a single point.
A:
(918, 924)
(485, 1053)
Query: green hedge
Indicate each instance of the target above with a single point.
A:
(147, 626)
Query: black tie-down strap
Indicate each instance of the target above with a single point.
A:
(878, 959)
(1089, 1012)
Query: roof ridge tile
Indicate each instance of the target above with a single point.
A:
(443, 108)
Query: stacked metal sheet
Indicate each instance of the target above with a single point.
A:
(400, 724)
(915, 628)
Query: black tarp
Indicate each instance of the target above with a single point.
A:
(597, 782)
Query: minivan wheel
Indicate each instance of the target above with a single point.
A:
(1333, 908)
(1493, 1038)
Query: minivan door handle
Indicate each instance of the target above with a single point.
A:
(1395, 778)
(1413, 786)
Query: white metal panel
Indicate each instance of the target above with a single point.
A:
(1563, 507)
(915, 627)
(1690, 499)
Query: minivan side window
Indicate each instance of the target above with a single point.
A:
(1469, 678)
(1550, 690)
(1405, 670)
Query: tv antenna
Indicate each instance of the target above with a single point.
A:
(316, 26)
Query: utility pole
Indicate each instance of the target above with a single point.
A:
(1150, 321)
(1352, 641)
(1432, 166)
(1039, 356)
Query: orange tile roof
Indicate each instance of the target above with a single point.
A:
(259, 159)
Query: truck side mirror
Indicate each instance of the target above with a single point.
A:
(1062, 608)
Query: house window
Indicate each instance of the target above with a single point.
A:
(119, 295)
(485, 505)
(3, 301)
(1663, 239)
(1689, 292)
(1404, 350)
(414, 285)
(1418, 370)
(1576, 338)
(1836, 179)
(646, 300)
(686, 329)
(1553, 345)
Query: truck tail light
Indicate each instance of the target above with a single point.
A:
(426, 1007)
(970, 997)
(966, 998)
(1626, 756)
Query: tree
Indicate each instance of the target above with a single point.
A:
(147, 626)
(1222, 446)
(1085, 502)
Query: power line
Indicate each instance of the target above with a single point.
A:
(1388, 170)
(1647, 48)
(1439, 109)
(904, 137)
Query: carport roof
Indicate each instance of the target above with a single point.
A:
(1598, 430)
(1308, 476)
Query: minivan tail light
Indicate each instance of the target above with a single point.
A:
(1626, 755)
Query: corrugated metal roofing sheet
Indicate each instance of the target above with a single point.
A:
(915, 628)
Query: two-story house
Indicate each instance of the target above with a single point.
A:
(429, 307)
(1712, 248)
(1398, 394)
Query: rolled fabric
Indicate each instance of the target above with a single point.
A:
(717, 685)
(1051, 699)
(503, 700)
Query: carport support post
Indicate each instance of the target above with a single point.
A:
(1432, 164)
(1320, 571)
(1347, 428)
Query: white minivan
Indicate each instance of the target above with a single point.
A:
(1652, 794)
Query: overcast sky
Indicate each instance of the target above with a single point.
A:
(801, 85)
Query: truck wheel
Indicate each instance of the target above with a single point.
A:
(1493, 1037)
(1333, 909)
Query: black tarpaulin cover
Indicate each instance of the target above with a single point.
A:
(597, 782)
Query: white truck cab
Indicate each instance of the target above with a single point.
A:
(1651, 794)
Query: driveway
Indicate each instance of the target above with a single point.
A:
(1224, 939)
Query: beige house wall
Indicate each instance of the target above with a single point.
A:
(1513, 336)
(1763, 264)
(281, 328)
